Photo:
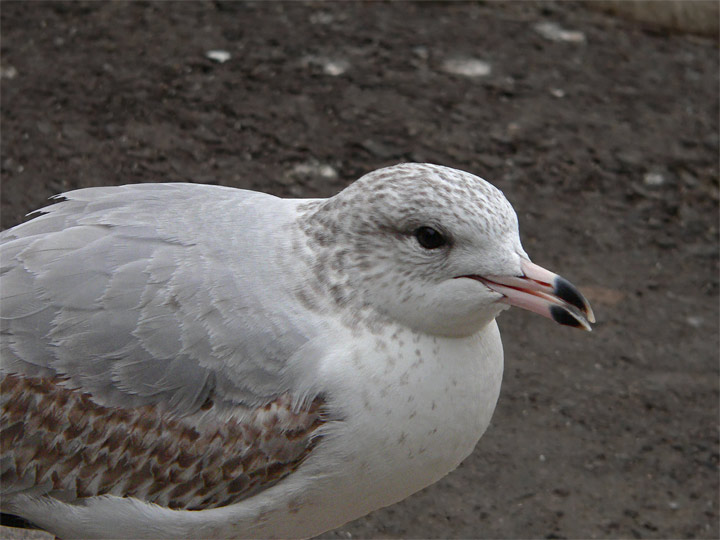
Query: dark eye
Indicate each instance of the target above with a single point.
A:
(429, 238)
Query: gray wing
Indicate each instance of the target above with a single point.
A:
(155, 294)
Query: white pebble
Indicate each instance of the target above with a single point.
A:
(653, 179)
(554, 32)
(218, 56)
(330, 66)
(335, 67)
(467, 67)
(8, 72)
(314, 170)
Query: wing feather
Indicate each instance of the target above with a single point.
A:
(155, 294)
(72, 448)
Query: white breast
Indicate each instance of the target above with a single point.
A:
(412, 410)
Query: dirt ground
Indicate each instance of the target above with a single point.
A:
(605, 139)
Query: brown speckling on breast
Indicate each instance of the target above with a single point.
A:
(59, 436)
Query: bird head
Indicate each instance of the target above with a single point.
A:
(436, 249)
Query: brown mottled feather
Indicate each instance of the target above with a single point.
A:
(54, 436)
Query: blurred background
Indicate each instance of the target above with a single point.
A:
(598, 120)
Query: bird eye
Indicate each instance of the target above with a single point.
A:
(429, 238)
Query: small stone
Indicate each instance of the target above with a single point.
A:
(218, 56)
(467, 67)
(8, 72)
(554, 32)
(653, 179)
(557, 92)
(313, 170)
(335, 67)
(330, 66)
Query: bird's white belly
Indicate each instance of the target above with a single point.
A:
(408, 420)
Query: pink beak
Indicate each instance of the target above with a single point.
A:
(540, 291)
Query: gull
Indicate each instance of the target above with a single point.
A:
(195, 361)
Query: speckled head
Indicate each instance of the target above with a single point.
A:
(396, 240)
(413, 192)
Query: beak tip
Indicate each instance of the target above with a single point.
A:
(570, 294)
(567, 318)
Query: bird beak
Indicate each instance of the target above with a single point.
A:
(540, 291)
